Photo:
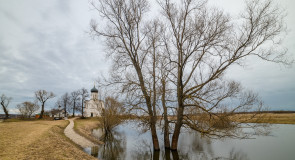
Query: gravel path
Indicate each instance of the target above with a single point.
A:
(80, 140)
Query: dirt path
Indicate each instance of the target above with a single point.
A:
(69, 132)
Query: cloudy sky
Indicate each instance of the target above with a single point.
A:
(45, 45)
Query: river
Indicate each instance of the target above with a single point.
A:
(129, 142)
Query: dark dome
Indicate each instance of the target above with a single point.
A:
(94, 90)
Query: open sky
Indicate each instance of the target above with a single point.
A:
(45, 45)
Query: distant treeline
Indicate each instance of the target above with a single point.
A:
(10, 116)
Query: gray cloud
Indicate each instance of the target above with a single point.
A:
(44, 45)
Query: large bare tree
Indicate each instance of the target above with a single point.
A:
(205, 43)
(4, 103)
(187, 56)
(42, 96)
(125, 38)
(159, 72)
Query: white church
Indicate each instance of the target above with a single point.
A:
(94, 106)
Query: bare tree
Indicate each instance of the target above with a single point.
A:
(4, 103)
(75, 97)
(65, 101)
(204, 44)
(28, 108)
(159, 72)
(111, 114)
(42, 96)
(125, 37)
(84, 94)
(187, 57)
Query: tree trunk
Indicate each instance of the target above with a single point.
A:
(42, 111)
(82, 109)
(154, 134)
(180, 109)
(175, 155)
(166, 122)
(65, 108)
(153, 118)
(74, 107)
(6, 112)
(156, 155)
(167, 154)
(177, 128)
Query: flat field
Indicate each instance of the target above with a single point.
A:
(273, 118)
(39, 139)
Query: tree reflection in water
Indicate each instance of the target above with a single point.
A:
(128, 142)
(113, 148)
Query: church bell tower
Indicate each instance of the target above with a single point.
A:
(94, 93)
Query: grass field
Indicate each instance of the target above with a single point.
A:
(273, 118)
(38, 139)
(84, 128)
(45, 139)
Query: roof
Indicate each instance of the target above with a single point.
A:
(94, 89)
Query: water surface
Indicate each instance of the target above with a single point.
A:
(128, 141)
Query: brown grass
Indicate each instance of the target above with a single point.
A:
(37, 140)
(84, 127)
(274, 118)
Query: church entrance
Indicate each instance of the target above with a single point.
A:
(91, 114)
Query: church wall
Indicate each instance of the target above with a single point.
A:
(93, 106)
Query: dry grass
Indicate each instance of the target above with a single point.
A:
(274, 118)
(84, 128)
(37, 140)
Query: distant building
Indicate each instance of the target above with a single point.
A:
(57, 113)
(94, 106)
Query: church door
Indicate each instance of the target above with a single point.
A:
(91, 114)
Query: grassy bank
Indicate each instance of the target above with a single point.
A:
(84, 128)
(38, 139)
(273, 118)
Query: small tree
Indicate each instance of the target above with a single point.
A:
(42, 96)
(84, 94)
(4, 103)
(111, 114)
(74, 99)
(27, 108)
(64, 101)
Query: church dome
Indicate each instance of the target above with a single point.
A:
(94, 90)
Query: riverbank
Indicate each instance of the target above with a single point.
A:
(84, 128)
(272, 118)
(39, 139)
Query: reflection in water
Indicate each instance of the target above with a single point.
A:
(128, 142)
(237, 155)
(114, 147)
(97, 133)
(94, 151)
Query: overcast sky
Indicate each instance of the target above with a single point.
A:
(44, 45)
